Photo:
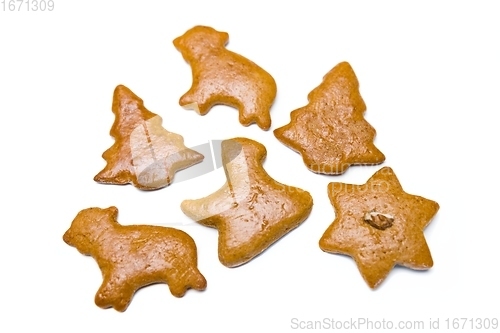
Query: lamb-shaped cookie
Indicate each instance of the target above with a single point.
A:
(251, 211)
(224, 77)
(330, 132)
(144, 154)
(134, 256)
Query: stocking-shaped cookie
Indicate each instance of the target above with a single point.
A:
(133, 256)
(330, 132)
(251, 210)
(144, 154)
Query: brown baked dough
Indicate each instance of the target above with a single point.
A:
(144, 153)
(252, 210)
(224, 77)
(134, 256)
(379, 226)
(330, 132)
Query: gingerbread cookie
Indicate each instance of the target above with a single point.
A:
(224, 77)
(134, 256)
(144, 154)
(330, 132)
(379, 226)
(251, 211)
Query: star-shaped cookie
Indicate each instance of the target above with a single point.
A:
(144, 154)
(379, 226)
(330, 132)
(251, 210)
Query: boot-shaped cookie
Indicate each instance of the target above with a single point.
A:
(252, 210)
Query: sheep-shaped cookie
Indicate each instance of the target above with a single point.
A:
(224, 77)
(134, 256)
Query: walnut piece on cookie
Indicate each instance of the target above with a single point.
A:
(251, 211)
(330, 132)
(144, 153)
(379, 226)
(134, 256)
(224, 77)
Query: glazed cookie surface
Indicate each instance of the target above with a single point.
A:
(224, 77)
(251, 211)
(379, 226)
(330, 132)
(134, 256)
(144, 153)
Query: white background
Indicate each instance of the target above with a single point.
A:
(429, 74)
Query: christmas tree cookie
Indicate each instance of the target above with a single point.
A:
(330, 132)
(144, 154)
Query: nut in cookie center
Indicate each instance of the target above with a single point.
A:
(378, 220)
